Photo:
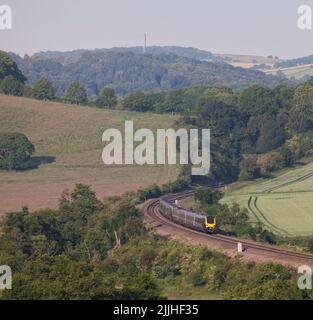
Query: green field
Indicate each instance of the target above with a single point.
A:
(297, 72)
(283, 205)
(68, 142)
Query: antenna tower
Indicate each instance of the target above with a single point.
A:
(144, 48)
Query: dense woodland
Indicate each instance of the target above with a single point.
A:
(254, 131)
(192, 53)
(129, 71)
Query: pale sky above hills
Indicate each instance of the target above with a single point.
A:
(260, 27)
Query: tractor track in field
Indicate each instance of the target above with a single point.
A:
(254, 251)
(257, 212)
(266, 222)
(285, 184)
(288, 183)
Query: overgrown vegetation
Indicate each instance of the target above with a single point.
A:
(88, 249)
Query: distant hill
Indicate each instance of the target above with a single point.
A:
(192, 53)
(295, 62)
(128, 70)
(248, 61)
(299, 69)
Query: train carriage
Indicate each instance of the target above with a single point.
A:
(166, 209)
(192, 220)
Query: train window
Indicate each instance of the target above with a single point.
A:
(210, 219)
(201, 219)
(190, 217)
(180, 213)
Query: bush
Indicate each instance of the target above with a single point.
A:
(153, 191)
(197, 279)
(107, 99)
(180, 184)
(249, 169)
(9, 85)
(268, 237)
(76, 94)
(15, 151)
(207, 196)
(43, 90)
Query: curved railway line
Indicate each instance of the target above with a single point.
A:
(253, 250)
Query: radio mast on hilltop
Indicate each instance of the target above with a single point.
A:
(144, 48)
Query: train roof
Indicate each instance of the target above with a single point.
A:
(184, 209)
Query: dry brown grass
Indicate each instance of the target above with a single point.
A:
(72, 134)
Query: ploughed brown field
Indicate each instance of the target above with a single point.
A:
(69, 147)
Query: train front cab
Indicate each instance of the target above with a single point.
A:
(210, 224)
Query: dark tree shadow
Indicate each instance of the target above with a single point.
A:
(225, 233)
(36, 161)
(32, 163)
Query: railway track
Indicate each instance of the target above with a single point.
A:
(274, 252)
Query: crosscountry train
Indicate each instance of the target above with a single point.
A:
(187, 218)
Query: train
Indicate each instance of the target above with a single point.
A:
(189, 219)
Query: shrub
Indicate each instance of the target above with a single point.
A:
(15, 151)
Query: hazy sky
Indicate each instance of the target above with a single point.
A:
(261, 27)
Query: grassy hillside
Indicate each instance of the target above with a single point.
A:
(72, 135)
(284, 204)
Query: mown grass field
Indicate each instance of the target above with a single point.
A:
(71, 135)
(284, 204)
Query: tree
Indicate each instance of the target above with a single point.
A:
(287, 156)
(15, 151)
(173, 102)
(107, 98)
(11, 78)
(257, 100)
(271, 161)
(9, 85)
(272, 135)
(249, 169)
(43, 90)
(9, 68)
(207, 196)
(138, 101)
(84, 201)
(76, 93)
(150, 192)
(301, 118)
